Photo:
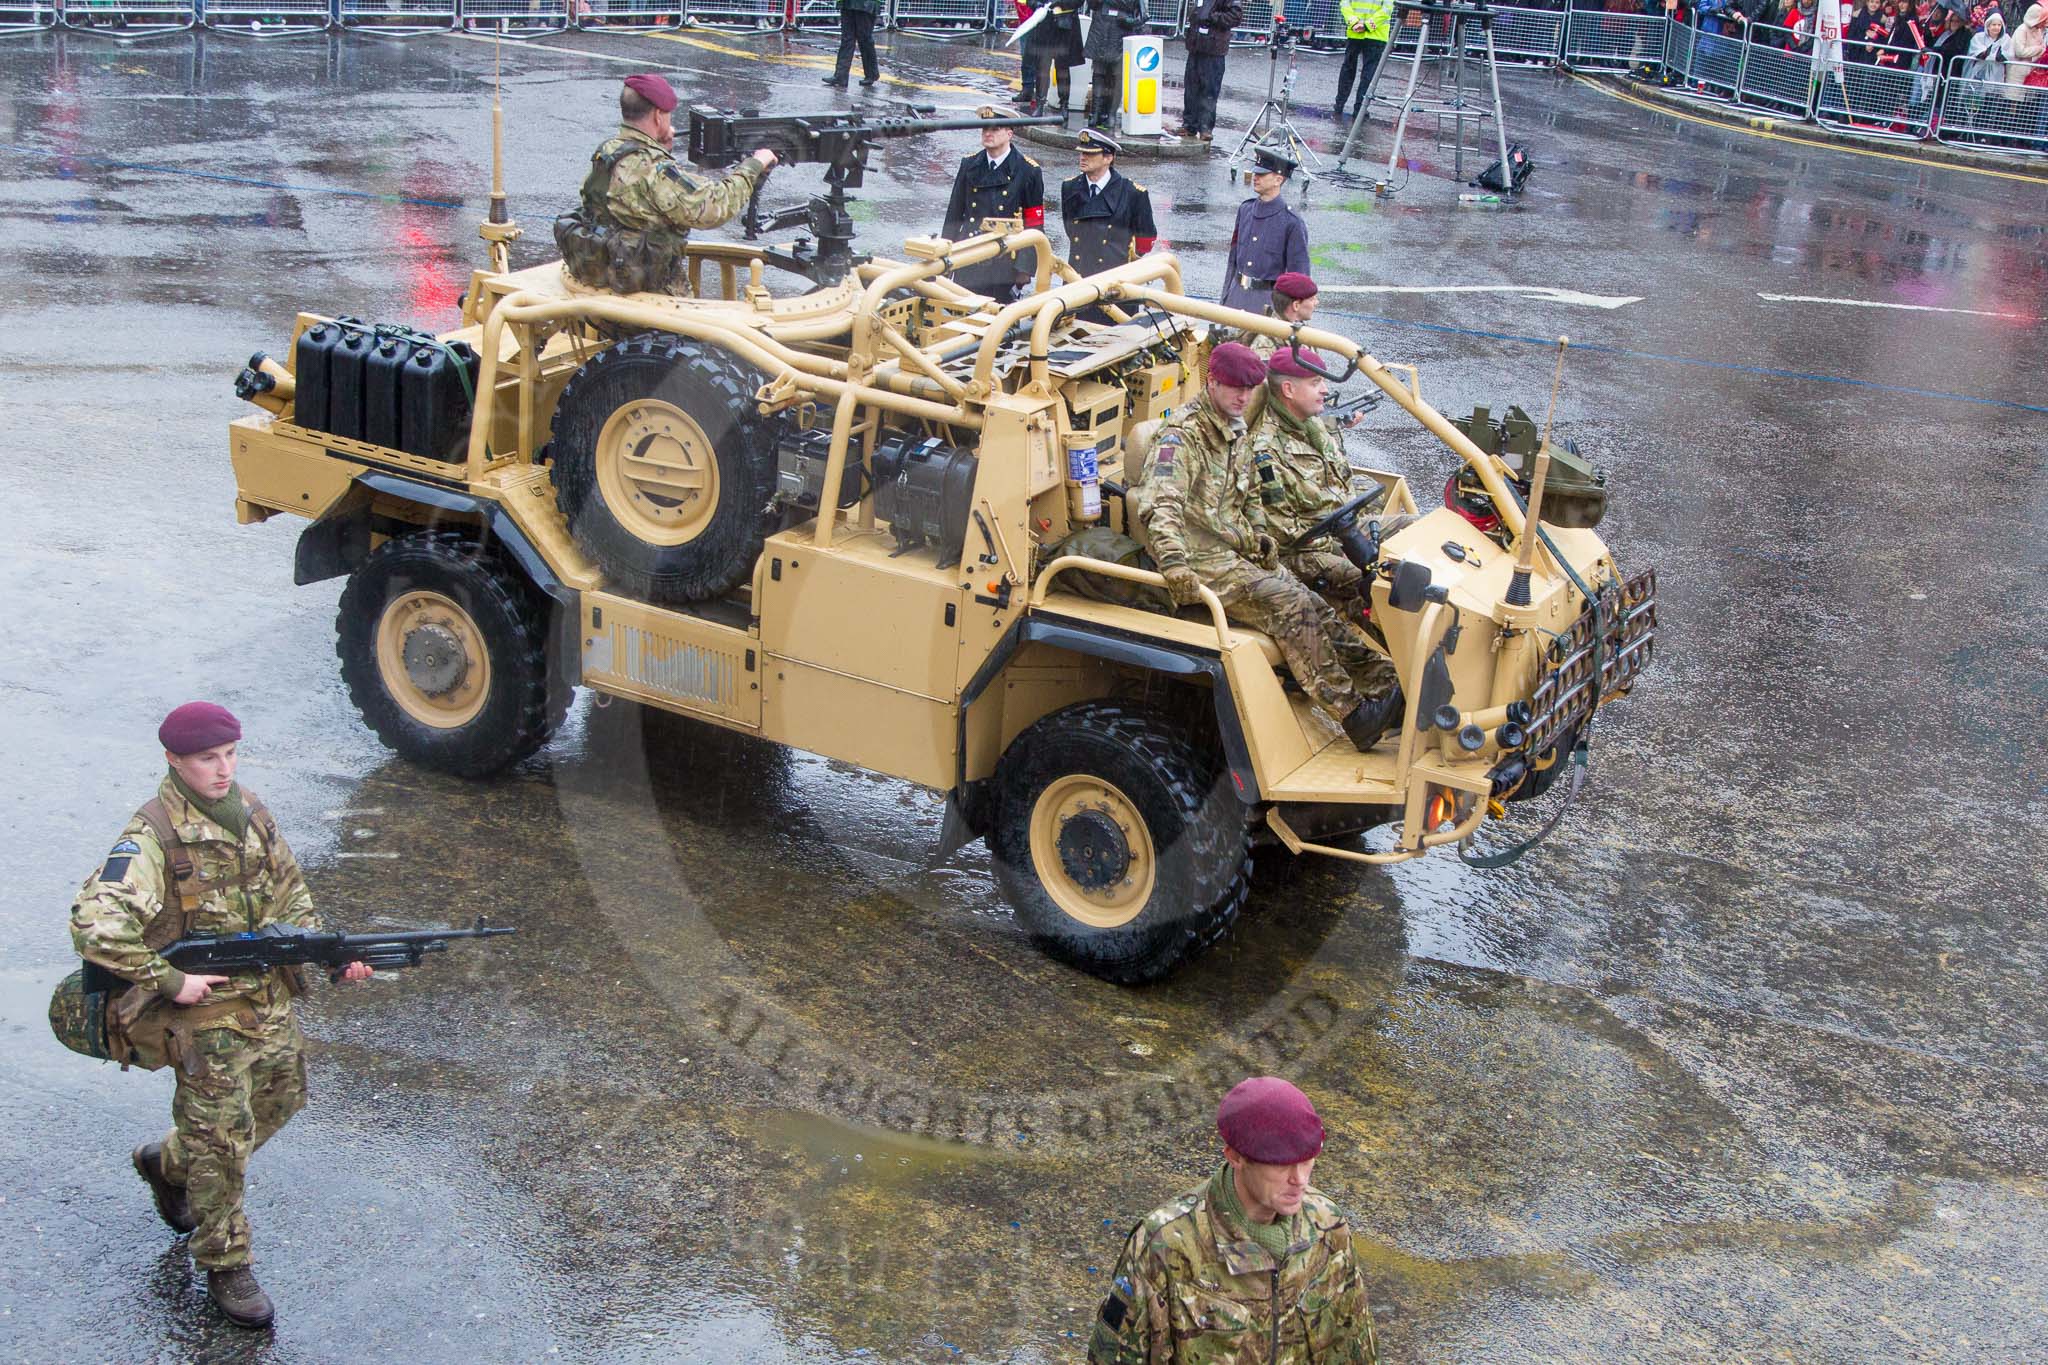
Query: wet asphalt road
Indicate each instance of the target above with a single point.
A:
(1748, 1061)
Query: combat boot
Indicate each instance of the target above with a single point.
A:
(235, 1292)
(1370, 718)
(171, 1204)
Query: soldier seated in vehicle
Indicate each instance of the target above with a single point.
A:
(638, 203)
(1196, 500)
(1304, 475)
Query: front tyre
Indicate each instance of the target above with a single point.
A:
(444, 650)
(1117, 841)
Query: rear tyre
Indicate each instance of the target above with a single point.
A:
(1118, 841)
(444, 650)
(664, 468)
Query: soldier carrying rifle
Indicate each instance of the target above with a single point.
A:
(205, 857)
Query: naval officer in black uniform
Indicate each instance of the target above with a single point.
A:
(1107, 215)
(996, 182)
(1270, 239)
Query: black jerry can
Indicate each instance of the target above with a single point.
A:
(345, 395)
(383, 381)
(434, 402)
(313, 374)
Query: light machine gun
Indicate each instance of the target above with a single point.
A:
(840, 143)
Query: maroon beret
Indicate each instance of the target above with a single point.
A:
(198, 725)
(1236, 364)
(1267, 1120)
(654, 90)
(1294, 285)
(1283, 365)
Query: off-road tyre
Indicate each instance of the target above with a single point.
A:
(693, 405)
(406, 602)
(1130, 765)
(1555, 761)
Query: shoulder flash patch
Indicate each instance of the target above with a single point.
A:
(1113, 1311)
(126, 846)
(1163, 453)
(116, 869)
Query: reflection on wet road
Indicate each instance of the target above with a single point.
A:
(1748, 1061)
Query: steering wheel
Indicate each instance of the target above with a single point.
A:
(1362, 549)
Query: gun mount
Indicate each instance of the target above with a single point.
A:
(840, 143)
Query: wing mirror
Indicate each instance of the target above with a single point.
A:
(1410, 585)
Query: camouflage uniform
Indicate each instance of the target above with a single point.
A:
(1311, 478)
(243, 1072)
(636, 208)
(1192, 1287)
(1197, 504)
(650, 189)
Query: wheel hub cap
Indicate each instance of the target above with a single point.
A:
(1093, 851)
(434, 659)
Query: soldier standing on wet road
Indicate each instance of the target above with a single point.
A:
(1253, 1265)
(996, 182)
(1194, 497)
(1303, 475)
(205, 857)
(1269, 240)
(638, 204)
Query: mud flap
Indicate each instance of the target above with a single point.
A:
(955, 833)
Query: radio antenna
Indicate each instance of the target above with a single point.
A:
(498, 229)
(1518, 584)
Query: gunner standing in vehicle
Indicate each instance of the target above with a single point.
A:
(638, 191)
(1195, 496)
(1269, 240)
(996, 182)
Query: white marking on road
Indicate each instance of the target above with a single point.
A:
(1902, 307)
(366, 855)
(642, 62)
(1528, 291)
(345, 814)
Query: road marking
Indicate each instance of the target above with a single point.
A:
(1531, 291)
(1548, 343)
(366, 855)
(641, 62)
(814, 63)
(1902, 307)
(1727, 127)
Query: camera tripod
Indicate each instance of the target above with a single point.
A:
(1448, 98)
(1272, 124)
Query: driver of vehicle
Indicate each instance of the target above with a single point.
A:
(1303, 475)
(1196, 501)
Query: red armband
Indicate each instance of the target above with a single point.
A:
(1145, 244)
(1034, 215)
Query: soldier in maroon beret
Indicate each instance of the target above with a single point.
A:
(1255, 1254)
(205, 857)
(1196, 503)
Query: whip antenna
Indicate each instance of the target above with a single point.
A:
(498, 229)
(1518, 586)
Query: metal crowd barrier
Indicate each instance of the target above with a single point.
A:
(398, 18)
(28, 18)
(818, 16)
(1976, 112)
(268, 18)
(1599, 39)
(514, 18)
(1776, 75)
(1163, 17)
(131, 18)
(652, 16)
(944, 18)
(738, 16)
(1876, 101)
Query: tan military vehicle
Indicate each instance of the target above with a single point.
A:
(835, 519)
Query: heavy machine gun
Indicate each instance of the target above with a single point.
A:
(840, 143)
